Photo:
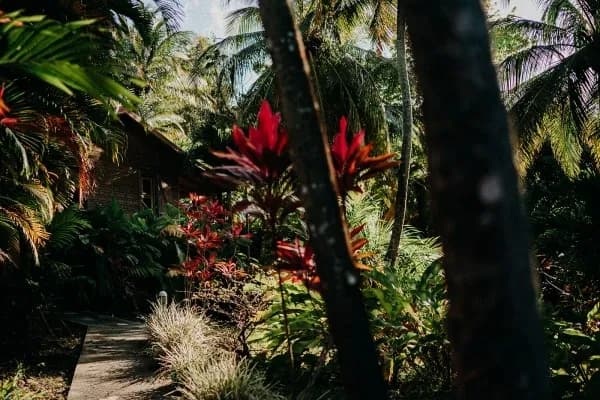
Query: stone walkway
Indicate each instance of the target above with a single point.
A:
(113, 364)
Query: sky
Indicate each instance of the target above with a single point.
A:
(523, 8)
(207, 17)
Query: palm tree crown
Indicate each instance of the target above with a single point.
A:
(552, 82)
(343, 78)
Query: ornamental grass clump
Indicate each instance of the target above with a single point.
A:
(171, 326)
(194, 354)
(180, 337)
(226, 378)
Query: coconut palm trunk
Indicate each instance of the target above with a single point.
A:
(340, 280)
(407, 124)
(493, 322)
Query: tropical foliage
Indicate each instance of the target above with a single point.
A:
(105, 259)
(252, 322)
(343, 71)
(56, 108)
(551, 82)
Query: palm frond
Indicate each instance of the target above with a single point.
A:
(172, 12)
(66, 228)
(57, 54)
(244, 20)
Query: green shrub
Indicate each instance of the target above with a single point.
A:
(574, 356)
(107, 260)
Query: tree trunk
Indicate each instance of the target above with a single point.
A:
(493, 323)
(308, 142)
(407, 124)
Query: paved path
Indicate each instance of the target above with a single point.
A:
(113, 364)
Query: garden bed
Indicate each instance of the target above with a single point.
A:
(42, 366)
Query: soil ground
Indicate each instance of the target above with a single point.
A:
(45, 361)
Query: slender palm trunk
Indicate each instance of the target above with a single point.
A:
(493, 322)
(340, 280)
(407, 124)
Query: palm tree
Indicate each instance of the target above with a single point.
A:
(493, 323)
(159, 59)
(407, 128)
(55, 108)
(551, 84)
(348, 322)
(342, 76)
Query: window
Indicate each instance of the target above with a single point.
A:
(149, 193)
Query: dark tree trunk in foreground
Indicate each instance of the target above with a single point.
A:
(308, 142)
(493, 323)
(407, 124)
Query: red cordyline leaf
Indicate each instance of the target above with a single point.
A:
(261, 156)
(5, 120)
(214, 211)
(352, 162)
(295, 256)
(236, 231)
(4, 109)
(203, 210)
(208, 239)
(298, 259)
(204, 275)
(190, 230)
(299, 263)
(229, 270)
(197, 199)
(191, 266)
(200, 267)
(9, 122)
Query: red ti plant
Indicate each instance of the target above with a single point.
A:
(352, 162)
(261, 164)
(212, 241)
(298, 261)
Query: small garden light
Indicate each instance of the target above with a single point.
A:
(162, 297)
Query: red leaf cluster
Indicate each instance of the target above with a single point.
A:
(261, 157)
(207, 231)
(298, 259)
(352, 162)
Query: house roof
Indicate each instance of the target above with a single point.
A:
(191, 176)
(128, 116)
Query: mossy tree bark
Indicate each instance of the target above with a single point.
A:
(493, 322)
(308, 142)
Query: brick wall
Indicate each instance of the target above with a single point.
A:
(121, 183)
(147, 156)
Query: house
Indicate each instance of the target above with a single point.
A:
(153, 172)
